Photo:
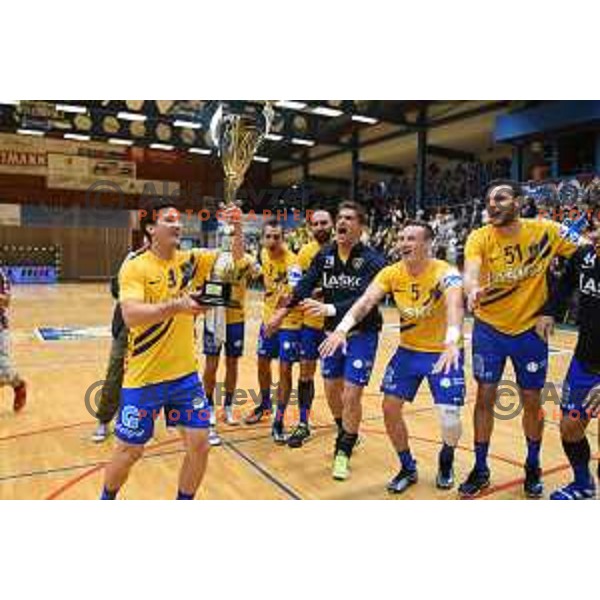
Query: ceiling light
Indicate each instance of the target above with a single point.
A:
(77, 136)
(363, 119)
(30, 132)
(200, 151)
(120, 141)
(325, 111)
(302, 142)
(127, 116)
(291, 104)
(188, 124)
(71, 108)
(273, 137)
(161, 147)
(262, 159)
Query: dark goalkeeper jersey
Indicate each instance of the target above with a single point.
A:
(342, 283)
(582, 273)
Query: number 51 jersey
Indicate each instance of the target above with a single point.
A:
(514, 271)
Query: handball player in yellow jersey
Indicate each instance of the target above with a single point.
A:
(312, 333)
(506, 269)
(161, 371)
(429, 296)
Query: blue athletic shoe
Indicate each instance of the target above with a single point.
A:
(574, 491)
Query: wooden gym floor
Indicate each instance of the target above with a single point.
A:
(45, 452)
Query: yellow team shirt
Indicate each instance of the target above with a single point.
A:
(163, 351)
(244, 270)
(421, 302)
(513, 271)
(276, 275)
(305, 257)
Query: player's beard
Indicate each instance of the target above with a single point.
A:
(322, 237)
(505, 216)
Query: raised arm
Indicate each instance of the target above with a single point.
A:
(234, 214)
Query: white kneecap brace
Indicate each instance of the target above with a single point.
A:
(451, 424)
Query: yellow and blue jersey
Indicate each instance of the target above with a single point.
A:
(279, 274)
(305, 257)
(162, 351)
(421, 302)
(514, 271)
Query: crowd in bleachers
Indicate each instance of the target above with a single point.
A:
(453, 203)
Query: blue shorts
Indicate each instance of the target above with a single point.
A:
(356, 364)
(527, 351)
(234, 341)
(183, 401)
(576, 390)
(310, 340)
(407, 369)
(284, 345)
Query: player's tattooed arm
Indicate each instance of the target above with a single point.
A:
(359, 310)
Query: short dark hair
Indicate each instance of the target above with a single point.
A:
(150, 210)
(272, 222)
(515, 187)
(429, 233)
(359, 209)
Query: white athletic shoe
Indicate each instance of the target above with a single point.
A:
(214, 439)
(213, 417)
(229, 417)
(101, 433)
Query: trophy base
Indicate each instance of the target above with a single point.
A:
(211, 301)
(216, 293)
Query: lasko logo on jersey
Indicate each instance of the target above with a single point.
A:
(588, 285)
(342, 281)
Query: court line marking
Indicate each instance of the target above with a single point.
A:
(501, 487)
(100, 465)
(73, 482)
(255, 438)
(67, 468)
(284, 487)
(45, 430)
